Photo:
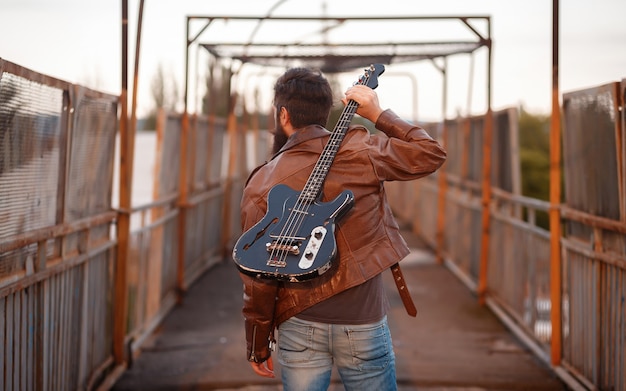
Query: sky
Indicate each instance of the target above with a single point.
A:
(80, 41)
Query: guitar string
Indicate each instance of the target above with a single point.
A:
(315, 182)
(300, 209)
(298, 213)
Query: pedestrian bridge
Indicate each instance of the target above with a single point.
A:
(453, 343)
(100, 276)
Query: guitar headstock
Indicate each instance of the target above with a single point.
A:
(370, 77)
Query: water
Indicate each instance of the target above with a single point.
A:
(143, 169)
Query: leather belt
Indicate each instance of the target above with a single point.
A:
(403, 290)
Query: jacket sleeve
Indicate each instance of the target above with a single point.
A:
(259, 300)
(407, 153)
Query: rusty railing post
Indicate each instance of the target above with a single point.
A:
(555, 196)
(486, 185)
(123, 219)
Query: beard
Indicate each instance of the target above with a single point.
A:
(280, 137)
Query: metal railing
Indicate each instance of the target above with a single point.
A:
(514, 263)
(56, 252)
(58, 236)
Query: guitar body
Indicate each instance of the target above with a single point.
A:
(290, 244)
(295, 240)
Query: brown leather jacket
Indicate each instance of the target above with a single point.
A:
(368, 237)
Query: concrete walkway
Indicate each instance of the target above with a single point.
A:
(452, 345)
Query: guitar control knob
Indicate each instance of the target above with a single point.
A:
(308, 255)
(318, 234)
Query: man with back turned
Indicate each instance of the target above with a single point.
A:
(339, 318)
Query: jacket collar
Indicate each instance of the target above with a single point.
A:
(304, 134)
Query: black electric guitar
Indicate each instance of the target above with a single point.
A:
(295, 240)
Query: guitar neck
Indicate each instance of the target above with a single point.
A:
(313, 187)
(314, 184)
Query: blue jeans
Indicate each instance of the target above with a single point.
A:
(363, 355)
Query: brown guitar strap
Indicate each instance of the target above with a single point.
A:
(403, 290)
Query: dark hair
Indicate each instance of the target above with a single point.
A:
(307, 96)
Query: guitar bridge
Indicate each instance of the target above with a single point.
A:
(272, 262)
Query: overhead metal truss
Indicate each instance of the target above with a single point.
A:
(329, 43)
(338, 57)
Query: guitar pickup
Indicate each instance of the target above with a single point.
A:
(282, 247)
(289, 247)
